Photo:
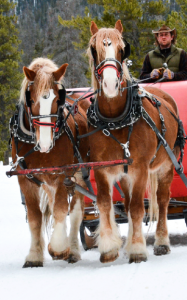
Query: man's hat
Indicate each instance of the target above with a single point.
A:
(165, 28)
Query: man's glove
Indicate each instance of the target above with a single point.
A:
(156, 73)
(168, 74)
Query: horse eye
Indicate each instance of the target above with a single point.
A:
(32, 101)
(104, 42)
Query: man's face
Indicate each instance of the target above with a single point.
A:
(164, 39)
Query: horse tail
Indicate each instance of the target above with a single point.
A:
(153, 205)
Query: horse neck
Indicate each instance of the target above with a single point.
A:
(112, 107)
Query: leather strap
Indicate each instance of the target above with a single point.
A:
(178, 167)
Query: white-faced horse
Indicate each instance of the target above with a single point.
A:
(45, 135)
(129, 121)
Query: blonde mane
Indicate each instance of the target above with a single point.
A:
(44, 80)
(96, 41)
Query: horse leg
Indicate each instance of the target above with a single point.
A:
(35, 257)
(59, 244)
(162, 244)
(135, 244)
(109, 241)
(76, 216)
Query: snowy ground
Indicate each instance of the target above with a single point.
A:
(159, 278)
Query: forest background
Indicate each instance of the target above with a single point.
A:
(60, 30)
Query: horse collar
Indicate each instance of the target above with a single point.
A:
(24, 135)
(129, 116)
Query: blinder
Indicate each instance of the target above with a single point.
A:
(62, 96)
(28, 97)
(93, 53)
(125, 53)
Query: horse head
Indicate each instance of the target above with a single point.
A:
(108, 52)
(44, 93)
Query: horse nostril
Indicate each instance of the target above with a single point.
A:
(116, 85)
(105, 85)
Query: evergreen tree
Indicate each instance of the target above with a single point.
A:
(58, 44)
(31, 36)
(138, 18)
(9, 74)
(178, 20)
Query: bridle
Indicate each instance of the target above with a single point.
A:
(33, 120)
(101, 67)
(98, 69)
(60, 126)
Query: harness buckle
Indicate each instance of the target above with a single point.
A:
(161, 117)
(15, 129)
(30, 176)
(36, 148)
(19, 159)
(93, 116)
(106, 132)
(125, 147)
(111, 125)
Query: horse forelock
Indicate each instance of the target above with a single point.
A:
(44, 80)
(96, 42)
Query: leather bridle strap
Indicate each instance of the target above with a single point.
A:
(45, 124)
(100, 70)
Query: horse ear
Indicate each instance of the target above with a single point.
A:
(60, 72)
(29, 73)
(119, 26)
(93, 28)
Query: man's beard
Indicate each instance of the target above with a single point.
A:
(165, 46)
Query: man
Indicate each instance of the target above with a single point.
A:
(173, 58)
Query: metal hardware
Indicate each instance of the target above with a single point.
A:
(44, 116)
(126, 148)
(14, 165)
(106, 132)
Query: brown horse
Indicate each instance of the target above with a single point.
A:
(43, 138)
(116, 117)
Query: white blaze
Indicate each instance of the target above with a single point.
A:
(110, 78)
(45, 131)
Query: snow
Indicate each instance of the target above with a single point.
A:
(160, 277)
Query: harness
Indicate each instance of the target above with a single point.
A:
(20, 133)
(98, 69)
(133, 111)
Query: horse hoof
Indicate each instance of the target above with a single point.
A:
(73, 258)
(64, 255)
(109, 256)
(137, 258)
(161, 250)
(32, 264)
